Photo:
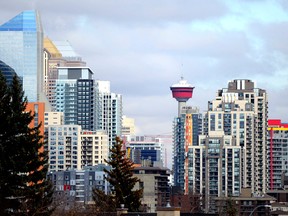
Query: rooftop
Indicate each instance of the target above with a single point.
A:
(182, 83)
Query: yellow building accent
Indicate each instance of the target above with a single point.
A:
(128, 152)
(277, 129)
(52, 49)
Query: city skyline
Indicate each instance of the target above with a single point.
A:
(145, 47)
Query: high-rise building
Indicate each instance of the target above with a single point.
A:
(57, 54)
(21, 47)
(187, 127)
(75, 96)
(7, 72)
(70, 147)
(232, 152)
(108, 111)
(214, 168)
(87, 102)
(277, 153)
(182, 92)
(71, 89)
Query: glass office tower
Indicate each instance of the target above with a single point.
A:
(21, 47)
(7, 71)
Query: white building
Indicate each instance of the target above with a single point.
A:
(232, 151)
(71, 148)
(108, 111)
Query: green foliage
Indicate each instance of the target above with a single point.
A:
(121, 178)
(24, 189)
(104, 202)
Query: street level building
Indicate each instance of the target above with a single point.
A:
(246, 204)
(156, 190)
(73, 188)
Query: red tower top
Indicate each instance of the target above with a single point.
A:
(182, 91)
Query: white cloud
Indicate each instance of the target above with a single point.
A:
(143, 47)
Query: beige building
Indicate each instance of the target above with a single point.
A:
(128, 126)
(71, 148)
(53, 118)
(154, 181)
(94, 148)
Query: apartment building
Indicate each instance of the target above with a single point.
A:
(74, 187)
(70, 147)
(231, 152)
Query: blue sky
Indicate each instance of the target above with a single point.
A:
(145, 46)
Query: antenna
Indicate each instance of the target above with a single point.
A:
(181, 70)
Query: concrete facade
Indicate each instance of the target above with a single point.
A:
(154, 181)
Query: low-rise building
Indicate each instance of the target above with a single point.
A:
(145, 148)
(76, 186)
(154, 181)
(245, 204)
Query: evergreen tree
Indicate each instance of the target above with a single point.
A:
(24, 189)
(103, 202)
(122, 182)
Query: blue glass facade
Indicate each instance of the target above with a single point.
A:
(179, 152)
(85, 104)
(196, 128)
(23, 22)
(74, 95)
(180, 134)
(8, 72)
(153, 155)
(21, 47)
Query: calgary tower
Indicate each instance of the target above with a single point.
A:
(182, 92)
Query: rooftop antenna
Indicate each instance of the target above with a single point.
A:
(182, 77)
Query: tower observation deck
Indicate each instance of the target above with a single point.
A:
(182, 92)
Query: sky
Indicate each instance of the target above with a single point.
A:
(144, 46)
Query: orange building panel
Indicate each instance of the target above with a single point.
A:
(38, 109)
